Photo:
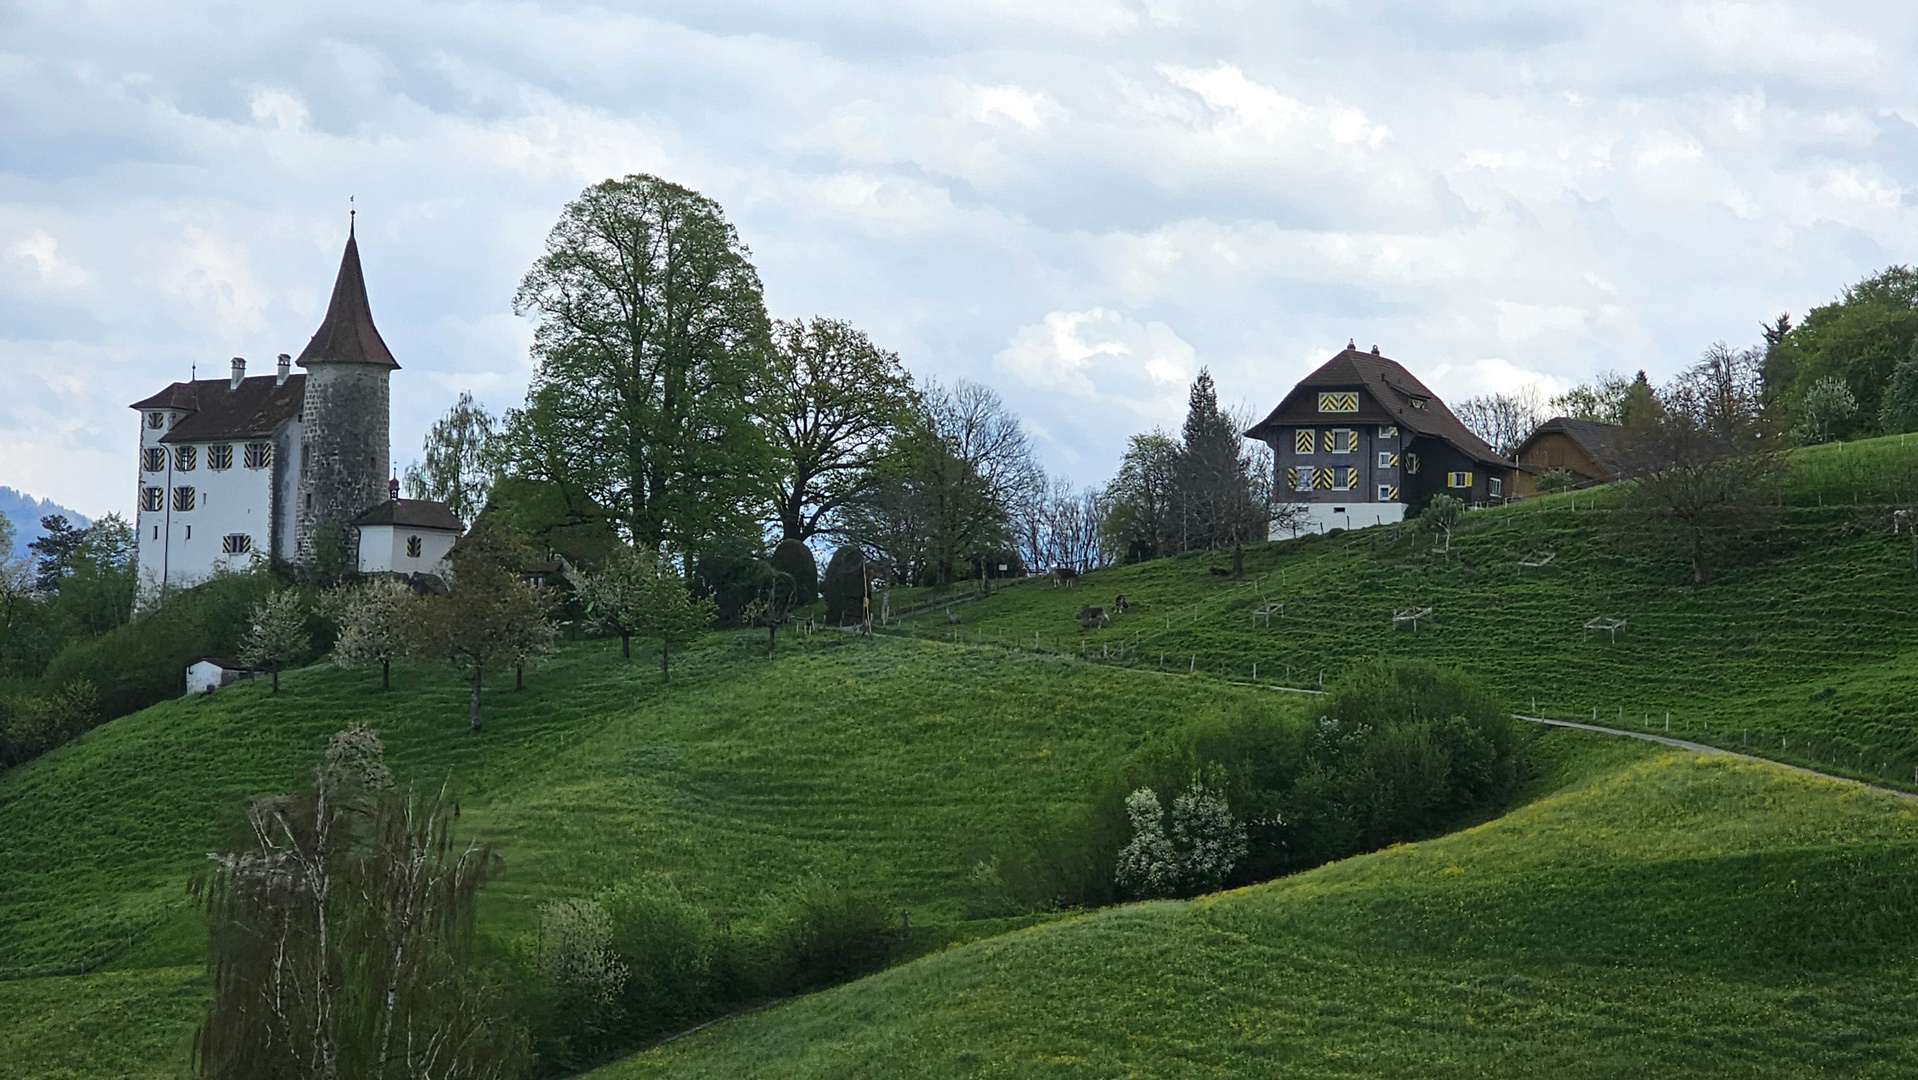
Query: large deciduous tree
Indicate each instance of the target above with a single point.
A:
(461, 459)
(835, 401)
(652, 343)
(1502, 420)
(1142, 518)
(947, 497)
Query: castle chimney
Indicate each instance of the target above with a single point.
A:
(393, 488)
(286, 365)
(239, 372)
(1375, 350)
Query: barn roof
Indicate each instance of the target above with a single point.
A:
(347, 334)
(1604, 442)
(1394, 389)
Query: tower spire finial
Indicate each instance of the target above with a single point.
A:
(351, 213)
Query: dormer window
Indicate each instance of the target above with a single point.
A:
(153, 459)
(219, 456)
(185, 458)
(156, 420)
(1418, 403)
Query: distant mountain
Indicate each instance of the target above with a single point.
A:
(25, 512)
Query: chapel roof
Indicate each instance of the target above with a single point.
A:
(215, 410)
(412, 514)
(1394, 389)
(347, 334)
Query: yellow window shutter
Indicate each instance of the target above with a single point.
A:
(1331, 443)
(1351, 478)
(1304, 440)
(1468, 479)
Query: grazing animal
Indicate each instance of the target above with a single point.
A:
(952, 619)
(1092, 618)
(1064, 575)
(1220, 571)
(1900, 518)
(1119, 604)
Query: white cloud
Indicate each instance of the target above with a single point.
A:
(1103, 357)
(1490, 202)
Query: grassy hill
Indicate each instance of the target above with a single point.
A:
(1807, 654)
(1650, 912)
(1656, 910)
(874, 762)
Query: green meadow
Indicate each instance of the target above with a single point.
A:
(1643, 910)
(1800, 653)
(1647, 912)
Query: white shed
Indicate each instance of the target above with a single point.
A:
(407, 536)
(209, 673)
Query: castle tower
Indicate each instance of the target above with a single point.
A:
(344, 449)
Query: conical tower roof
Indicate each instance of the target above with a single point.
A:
(347, 335)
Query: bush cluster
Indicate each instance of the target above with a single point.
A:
(1399, 751)
(641, 961)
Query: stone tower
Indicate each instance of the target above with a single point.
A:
(344, 450)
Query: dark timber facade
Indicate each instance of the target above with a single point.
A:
(1362, 442)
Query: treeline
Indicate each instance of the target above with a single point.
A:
(669, 412)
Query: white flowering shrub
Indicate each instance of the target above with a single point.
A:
(1205, 844)
(1148, 865)
(1209, 840)
(576, 957)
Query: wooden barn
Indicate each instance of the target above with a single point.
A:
(1361, 442)
(1589, 450)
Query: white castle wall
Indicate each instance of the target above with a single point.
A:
(180, 548)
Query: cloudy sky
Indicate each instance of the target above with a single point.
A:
(1080, 203)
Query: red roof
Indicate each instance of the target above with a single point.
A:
(347, 334)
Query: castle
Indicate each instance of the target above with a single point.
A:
(289, 467)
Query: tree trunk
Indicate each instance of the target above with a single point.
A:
(625, 646)
(519, 676)
(276, 680)
(1238, 561)
(475, 714)
(386, 674)
(772, 635)
(665, 673)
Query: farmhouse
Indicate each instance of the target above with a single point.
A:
(1362, 442)
(1587, 449)
(284, 466)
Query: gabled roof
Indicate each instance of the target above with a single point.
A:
(412, 514)
(175, 396)
(1394, 389)
(219, 662)
(347, 334)
(1603, 442)
(215, 411)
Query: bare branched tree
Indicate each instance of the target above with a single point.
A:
(1502, 420)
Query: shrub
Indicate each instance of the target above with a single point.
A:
(732, 572)
(1404, 750)
(821, 934)
(795, 559)
(845, 584)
